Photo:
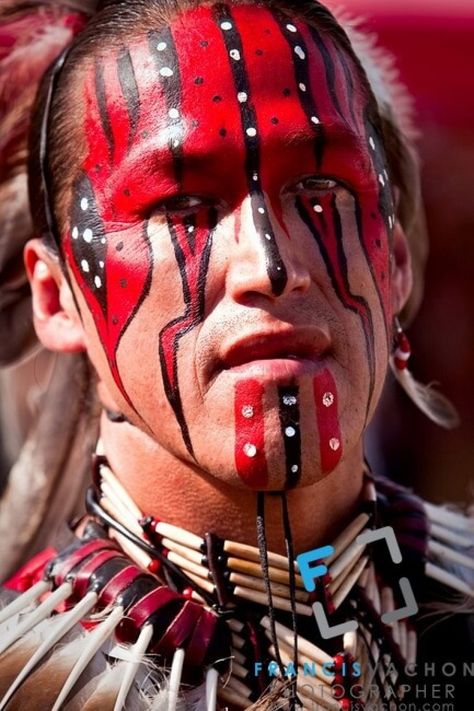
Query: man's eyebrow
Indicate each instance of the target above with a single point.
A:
(334, 132)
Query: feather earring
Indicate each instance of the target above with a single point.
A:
(426, 398)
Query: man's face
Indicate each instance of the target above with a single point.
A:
(229, 238)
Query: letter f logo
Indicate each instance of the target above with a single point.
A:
(310, 573)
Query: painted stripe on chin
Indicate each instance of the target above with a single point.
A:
(327, 419)
(289, 414)
(250, 460)
(276, 269)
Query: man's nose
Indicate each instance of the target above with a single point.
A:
(265, 260)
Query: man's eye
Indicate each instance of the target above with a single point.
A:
(181, 204)
(315, 183)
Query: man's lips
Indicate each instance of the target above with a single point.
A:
(275, 355)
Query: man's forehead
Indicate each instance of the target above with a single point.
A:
(211, 65)
(264, 91)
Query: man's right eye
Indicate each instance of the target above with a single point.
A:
(181, 204)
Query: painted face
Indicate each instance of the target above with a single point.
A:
(229, 237)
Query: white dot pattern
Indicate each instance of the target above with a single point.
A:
(250, 450)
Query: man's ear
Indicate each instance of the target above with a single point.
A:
(402, 275)
(55, 316)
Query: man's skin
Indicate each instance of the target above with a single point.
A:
(231, 243)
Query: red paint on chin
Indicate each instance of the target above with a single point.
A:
(250, 459)
(327, 417)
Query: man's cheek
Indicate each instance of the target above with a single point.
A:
(112, 268)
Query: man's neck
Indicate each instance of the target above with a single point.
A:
(178, 493)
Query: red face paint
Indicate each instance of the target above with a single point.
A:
(179, 113)
(250, 458)
(327, 418)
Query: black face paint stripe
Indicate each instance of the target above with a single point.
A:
(88, 240)
(128, 84)
(193, 315)
(190, 226)
(377, 154)
(289, 415)
(349, 86)
(276, 269)
(359, 305)
(360, 234)
(330, 70)
(302, 76)
(165, 57)
(147, 286)
(102, 104)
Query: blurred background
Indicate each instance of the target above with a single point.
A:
(433, 42)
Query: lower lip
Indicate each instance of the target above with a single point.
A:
(277, 368)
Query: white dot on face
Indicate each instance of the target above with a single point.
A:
(261, 210)
(291, 28)
(247, 411)
(251, 131)
(226, 26)
(294, 468)
(191, 228)
(300, 52)
(242, 97)
(101, 265)
(290, 431)
(315, 120)
(166, 72)
(88, 235)
(175, 143)
(372, 143)
(250, 450)
(173, 113)
(103, 240)
(255, 177)
(235, 54)
(289, 400)
(328, 399)
(75, 233)
(84, 204)
(334, 444)
(318, 208)
(98, 281)
(85, 265)
(268, 237)
(302, 86)
(161, 46)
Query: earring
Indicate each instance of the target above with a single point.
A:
(426, 398)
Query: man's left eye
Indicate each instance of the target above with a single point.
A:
(315, 183)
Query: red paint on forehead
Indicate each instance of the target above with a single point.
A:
(212, 114)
